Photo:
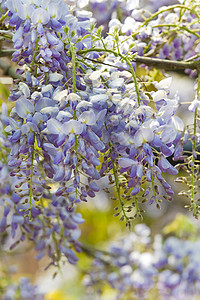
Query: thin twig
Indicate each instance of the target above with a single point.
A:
(6, 32)
(7, 52)
(103, 63)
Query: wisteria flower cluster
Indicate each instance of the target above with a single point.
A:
(25, 291)
(40, 38)
(79, 113)
(19, 290)
(105, 10)
(136, 265)
(164, 34)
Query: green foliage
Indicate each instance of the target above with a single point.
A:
(182, 226)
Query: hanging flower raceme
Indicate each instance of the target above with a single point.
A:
(138, 138)
(40, 40)
(33, 206)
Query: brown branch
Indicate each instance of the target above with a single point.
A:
(158, 63)
(170, 65)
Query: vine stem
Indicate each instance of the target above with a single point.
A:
(57, 248)
(73, 67)
(153, 188)
(137, 207)
(3, 17)
(118, 191)
(31, 180)
(118, 187)
(35, 51)
(73, 53)
(134, 78)
(178, 28)
(162, 11)
(193, 149)
(193, 161)
(117, 183)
